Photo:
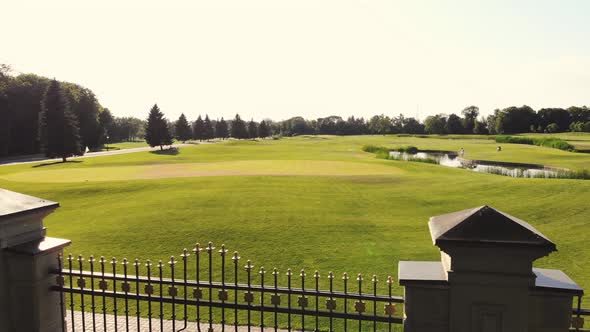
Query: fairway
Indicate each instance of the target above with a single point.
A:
(228, 168)
(306, 202)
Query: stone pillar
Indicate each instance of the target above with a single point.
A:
(485, 281)
(27, 258)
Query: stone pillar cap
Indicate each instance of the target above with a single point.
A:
(486, 226)
(13, 204)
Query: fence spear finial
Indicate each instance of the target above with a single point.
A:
(184, 254)
(197, 250)
(248, 266)
(223, 251)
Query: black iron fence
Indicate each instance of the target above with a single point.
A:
(578, 314)
(146, 296)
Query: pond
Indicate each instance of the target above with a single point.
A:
(452, 159)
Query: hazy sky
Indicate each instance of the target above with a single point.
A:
(277, 59)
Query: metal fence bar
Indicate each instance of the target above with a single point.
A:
(92, 303)
(132, 289)
(257, 288)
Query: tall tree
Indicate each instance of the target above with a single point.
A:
(59, 131)
(106, 123)
(238, 128)
(513, 120)
(454, 125)
(5, 114)
(208, 130)
(199, 129)
(252, 129)
(87, 110)
(435, 124)
(263, 129)
(221, 130)
(183, 129)
(156, 131)
(470, 114)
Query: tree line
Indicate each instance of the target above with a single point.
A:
(22, 114)
(160, 132)
(511, 120)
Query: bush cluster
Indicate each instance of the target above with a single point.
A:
(550, 142)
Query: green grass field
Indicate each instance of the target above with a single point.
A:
(306, 202)
(124, 145)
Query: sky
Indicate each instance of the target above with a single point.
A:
(312, 58)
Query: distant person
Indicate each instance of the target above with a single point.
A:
(499, 148)
(462, 152)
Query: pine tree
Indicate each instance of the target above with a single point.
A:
(59, 132)
(221, 129)
(199, 129)
(86, 110)
(238, 128)
(252, 129)
(208, 131)
(183, 129)
(263, 130)
(156, 131)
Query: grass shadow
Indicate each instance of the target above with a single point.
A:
(58, 163)
(169, 151)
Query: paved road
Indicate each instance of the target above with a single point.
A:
(37, 158)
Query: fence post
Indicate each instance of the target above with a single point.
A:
(27, 257)
(485, 280)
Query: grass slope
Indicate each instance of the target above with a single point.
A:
(362, 222)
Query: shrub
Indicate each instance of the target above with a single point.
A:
(407, 149)
(552, 128)
(375, 148)
(550, 142)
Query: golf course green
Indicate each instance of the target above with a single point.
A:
(313, 202)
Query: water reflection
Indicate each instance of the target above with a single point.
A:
(450, 159)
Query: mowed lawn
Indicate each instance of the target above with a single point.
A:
(306, 202)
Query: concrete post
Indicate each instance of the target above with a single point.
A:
(27, 257)
(485, 281)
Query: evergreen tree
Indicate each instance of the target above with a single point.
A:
(208, 131)
(238, 128)
(86, 109)
(199, 129)
(183, 129)
(263, 129)
(252, 129)
(221, 129)
(58, 131)
(156, 130)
